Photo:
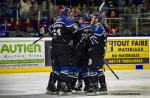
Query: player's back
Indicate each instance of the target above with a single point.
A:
(60, 29)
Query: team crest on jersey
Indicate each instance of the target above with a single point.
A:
(86, 30)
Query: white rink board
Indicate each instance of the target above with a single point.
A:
(21, 52)
(11, 67)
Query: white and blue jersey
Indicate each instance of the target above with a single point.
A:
(67, 21)
(98, 29)
(98, 35)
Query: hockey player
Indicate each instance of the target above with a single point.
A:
(80, 56)
(75, 69)
(62, 37)
(97, 52)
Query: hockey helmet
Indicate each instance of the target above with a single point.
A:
(98, 15)
(87, 17)
(65, 11)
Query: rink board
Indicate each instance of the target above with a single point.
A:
(122, 53)
(49, 69)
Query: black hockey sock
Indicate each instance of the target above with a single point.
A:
(74, 80)
(102, 83)
(52, 80)
(58, 85)
(102, 79)
(86, 82)
(71, 83)
(80, 77)
(53, 77)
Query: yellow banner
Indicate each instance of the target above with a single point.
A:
(124, 51)
(128, 45)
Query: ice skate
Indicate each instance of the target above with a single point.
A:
(103, 89)
(78, 87)
(93, 89)
(51, 89)
(65, 90)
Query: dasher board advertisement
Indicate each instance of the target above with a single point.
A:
(21, 53)
(126, 50)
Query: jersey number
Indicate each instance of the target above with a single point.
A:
(57, 32)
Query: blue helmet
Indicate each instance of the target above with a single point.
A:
(98, 15)
(87, 17)
(77, 17)
(65, 11)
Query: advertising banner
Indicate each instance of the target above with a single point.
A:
(21, 53)
(127, 51)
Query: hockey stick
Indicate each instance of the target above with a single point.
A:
(85, 36)
(38, 40)
(43, 35)
(80, 42)
(111, 70)
(101, 6)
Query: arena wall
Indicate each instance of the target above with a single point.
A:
(20, 55)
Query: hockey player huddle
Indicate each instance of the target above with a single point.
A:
(78, 49)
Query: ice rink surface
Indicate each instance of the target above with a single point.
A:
(132, 83)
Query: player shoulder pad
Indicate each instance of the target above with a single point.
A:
(60, 19)
(98, 29)
(69, 22)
